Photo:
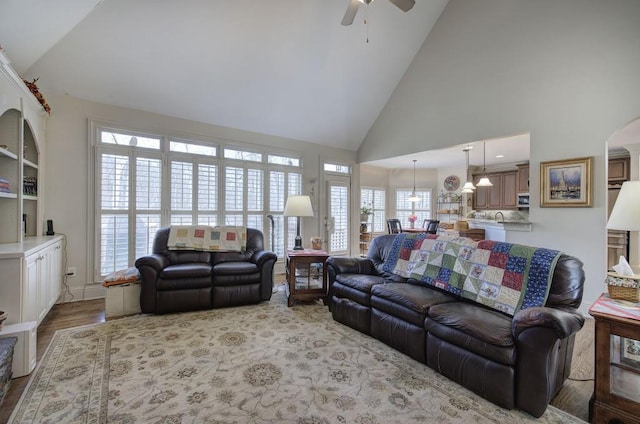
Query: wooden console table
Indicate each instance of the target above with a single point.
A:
(616, 398)
(306, 275)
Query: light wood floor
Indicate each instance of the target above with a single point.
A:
(573, 397)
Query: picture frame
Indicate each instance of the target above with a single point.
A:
(566, 183)
(630, 352)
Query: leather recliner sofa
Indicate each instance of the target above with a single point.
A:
(518, 361)
(188, 280)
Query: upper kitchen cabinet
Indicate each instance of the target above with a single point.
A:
(523, 178)
(501, 195)
(22, 123)
(618, 170)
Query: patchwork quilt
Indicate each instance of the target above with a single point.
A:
(504, 276)
(207, 238)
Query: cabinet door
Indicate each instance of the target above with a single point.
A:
(55, 273)
(618, 170)
(523, 178)
(43, 284)
(480, 195)
(495, 191)
(509, 195)
(30, 289)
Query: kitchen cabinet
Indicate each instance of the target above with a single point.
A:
(523, 178)
(618, 170)
(502, 195)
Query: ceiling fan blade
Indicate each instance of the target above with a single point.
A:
(350, 14)
(404, 5)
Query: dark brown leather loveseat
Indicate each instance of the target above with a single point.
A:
(188, 280)
(515, 361)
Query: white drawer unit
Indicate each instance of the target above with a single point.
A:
(24, 353)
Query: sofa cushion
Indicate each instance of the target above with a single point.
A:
(359, 282)
(407, 301)
(356, 287)
(235, 268)
(475, 328)
(192, 270)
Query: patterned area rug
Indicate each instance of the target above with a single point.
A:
(264, 363)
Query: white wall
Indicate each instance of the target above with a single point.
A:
(67, 170)
(564, 71)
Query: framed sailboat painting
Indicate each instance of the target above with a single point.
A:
(566, 183)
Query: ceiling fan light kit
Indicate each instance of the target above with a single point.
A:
(352, 9)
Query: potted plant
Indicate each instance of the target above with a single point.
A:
(365, 211)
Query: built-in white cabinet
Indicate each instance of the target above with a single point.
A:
(22, 124)
(31, 278)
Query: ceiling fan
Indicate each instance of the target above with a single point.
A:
(349, 16)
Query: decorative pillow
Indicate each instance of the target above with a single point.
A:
(122, 276)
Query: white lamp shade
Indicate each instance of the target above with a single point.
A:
(484, 182)
(298, 206)
(626, 211)
(413, 197)
(468, 186)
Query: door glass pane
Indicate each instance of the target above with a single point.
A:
(339, 211)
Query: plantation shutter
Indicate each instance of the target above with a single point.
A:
(114, 207)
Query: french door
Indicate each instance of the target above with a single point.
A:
(336, 215)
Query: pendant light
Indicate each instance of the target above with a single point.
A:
(413, 197)
(484, 181)
(468, 187)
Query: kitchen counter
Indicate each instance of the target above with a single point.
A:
(497, 230)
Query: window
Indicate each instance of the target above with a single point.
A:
(338, 168)
(404, 207)
(375, 199)
(145, 182)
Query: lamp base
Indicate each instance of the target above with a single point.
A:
(298, 243)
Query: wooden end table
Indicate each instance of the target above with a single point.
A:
(306, 275)
(616, 397)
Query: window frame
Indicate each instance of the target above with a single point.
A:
(166, 157)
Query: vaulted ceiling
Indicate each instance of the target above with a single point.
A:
(279, 67)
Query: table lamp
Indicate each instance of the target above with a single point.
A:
(625, 214)
(298, 206)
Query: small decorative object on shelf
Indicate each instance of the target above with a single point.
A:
(30, 186)
(4, 185)
(3, 318)
(365, 211)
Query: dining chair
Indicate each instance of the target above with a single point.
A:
(394, 226)
(431, 226)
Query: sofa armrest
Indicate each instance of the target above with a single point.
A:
(563, 322)
(261, 256)
(345, 265)
(157, 262)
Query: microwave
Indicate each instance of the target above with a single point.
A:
(523, 200)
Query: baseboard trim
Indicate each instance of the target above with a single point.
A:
(77, 294)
